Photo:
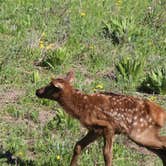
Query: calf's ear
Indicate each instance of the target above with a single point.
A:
(56, 84)
(70, 76)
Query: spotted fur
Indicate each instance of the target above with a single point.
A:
(105, 114)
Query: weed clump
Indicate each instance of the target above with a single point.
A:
(129, 70)
(155, 82)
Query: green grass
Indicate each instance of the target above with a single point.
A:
(41, 39)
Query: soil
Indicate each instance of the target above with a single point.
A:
(9, 95)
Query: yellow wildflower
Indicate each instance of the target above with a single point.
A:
(99, 86)
(50, 46)
(118, 3)
(19, 154)
(43, 34)
(58, 157)
(41, 44)
(83, 14)
(94, 90)
(152, 98)
(91, 47)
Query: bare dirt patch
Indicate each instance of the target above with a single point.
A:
(45, 116)
(9, 95)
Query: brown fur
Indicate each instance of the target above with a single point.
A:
(160, 117)
(105, 114)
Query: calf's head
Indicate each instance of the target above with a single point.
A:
(56, 88)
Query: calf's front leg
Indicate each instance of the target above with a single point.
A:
(80, 145)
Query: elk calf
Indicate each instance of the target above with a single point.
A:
(107, 114)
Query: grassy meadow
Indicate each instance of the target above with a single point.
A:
(117, 46)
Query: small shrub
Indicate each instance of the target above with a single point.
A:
(154, 15)
(64, 120)
(120, 30)
(61, 120)
(56, 57)
(51, 125)
(155, 82)
(129, 70)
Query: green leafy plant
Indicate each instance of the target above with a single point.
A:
(64, 120)
(35, 77)
(120, 29)
(16, 145)
(55, 57)
(61, 120)
(34, 116)
(129, 70)
(155, 82)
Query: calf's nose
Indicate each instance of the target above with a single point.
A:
(38, 93)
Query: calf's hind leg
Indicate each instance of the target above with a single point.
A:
(150, 139)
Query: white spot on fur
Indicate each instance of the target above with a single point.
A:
(116, 109)
(114, 113)
(85, 97)
(118, 115)
(122, 109)
(110, 113)
(135, 123)
(129, 120)
(150, 119)
(142, 124)
(129, 110)
(122, 116)
(126, 109)
(141, 120)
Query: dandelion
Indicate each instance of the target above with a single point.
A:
(94, 90)
(58, 157)
(99, 86)
(91, 47)
(41, 44)
(83, 14)
(152, 98)
(19, 154)
(119, 3)
(43, 34)
(50, 46)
